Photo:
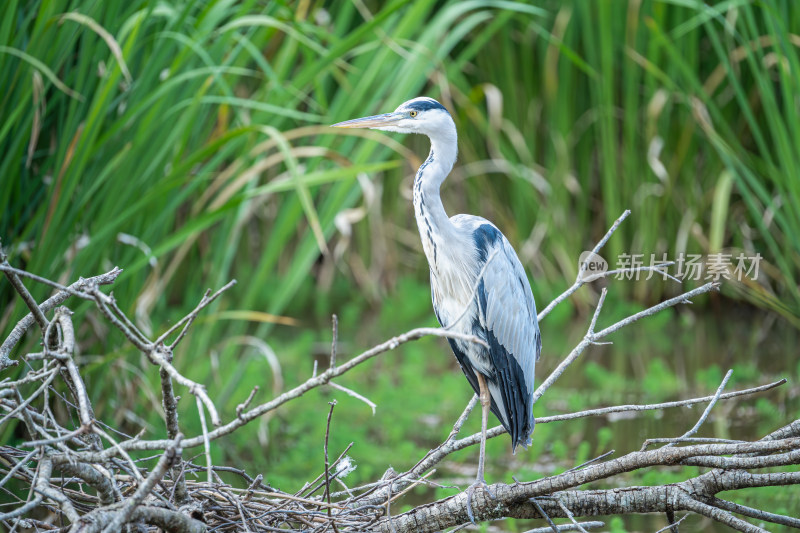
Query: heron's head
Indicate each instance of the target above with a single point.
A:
(420, 115)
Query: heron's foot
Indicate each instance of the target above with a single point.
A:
(471, 489)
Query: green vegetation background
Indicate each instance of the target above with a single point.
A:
(187, 142)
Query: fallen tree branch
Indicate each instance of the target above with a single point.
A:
(512, 500)
(126, 494)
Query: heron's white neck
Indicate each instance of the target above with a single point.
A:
(435, 228)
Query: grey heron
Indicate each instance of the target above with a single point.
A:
(478, 285)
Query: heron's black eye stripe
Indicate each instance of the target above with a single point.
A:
(412, 114)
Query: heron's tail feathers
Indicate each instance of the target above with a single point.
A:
(523, 441)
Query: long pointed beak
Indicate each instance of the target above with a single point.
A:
(375, 121)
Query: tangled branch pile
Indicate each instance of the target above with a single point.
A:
(68, 471)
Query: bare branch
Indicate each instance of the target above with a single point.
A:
(708, 409)
(57, 299)
(326, 469)
(104, 485)
(580, 280)
(42, 487)
(755, 513)
(126, 512)
(159, 356)
(75, 381)
(106, 305)
(719, 515)
(684, 298)
(170, 405)
(567, 527)
(592, 337)
(334, 340)
(727, 463)
(206, 442)
(8, 269)
(309, 384)
(188, 319)
(167, 519)
(355, 395)
(13, 278)
(23, 405)
(658, 406)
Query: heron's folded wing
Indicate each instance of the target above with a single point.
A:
(509, 311)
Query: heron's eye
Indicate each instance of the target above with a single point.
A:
(412, 114)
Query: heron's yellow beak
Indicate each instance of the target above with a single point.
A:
(375, 121)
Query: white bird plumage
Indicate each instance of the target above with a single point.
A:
(478, 285)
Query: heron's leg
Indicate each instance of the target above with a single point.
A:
(486, 402)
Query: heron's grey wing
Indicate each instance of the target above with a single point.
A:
(510, 310)
(508, 313)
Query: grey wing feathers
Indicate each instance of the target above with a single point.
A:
(510, 311)
(505, 317)
(509, 307)
(507, 313)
